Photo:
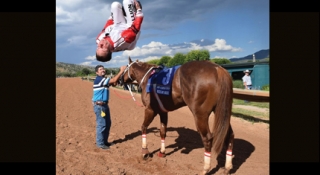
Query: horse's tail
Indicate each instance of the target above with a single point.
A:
(222, 111)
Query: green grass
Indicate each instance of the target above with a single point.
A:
(251, 113)
(251, 116)
(256, 104)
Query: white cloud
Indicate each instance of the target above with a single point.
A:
(202, 40)
(80, 20)
(64, 17)
(69, 3)
(92, 58)
(148, 58)
(77, 40)
(87, 63)
(221, 45)
(250, 42)
(153, 48)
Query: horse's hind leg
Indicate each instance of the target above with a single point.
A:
(163, 131)
(204, 130)
(149, 115)
(229, 156)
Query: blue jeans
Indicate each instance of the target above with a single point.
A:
(103, 124)
(249, 87)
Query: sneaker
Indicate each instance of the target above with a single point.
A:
(103, 147)
(109, 144)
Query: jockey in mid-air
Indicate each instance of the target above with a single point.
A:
(121, 31)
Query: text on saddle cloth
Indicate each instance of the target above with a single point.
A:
(163, 80)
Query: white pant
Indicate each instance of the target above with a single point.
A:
(117, 14)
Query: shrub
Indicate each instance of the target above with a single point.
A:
(265, 87)
(238, 84)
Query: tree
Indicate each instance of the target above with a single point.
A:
(114, 72)
(221, 61)
(164, 60)
(178, 59)
(66, 74)
(79, 73)
(154, 61)
(86, 71)
(197, 55)
(108, 71)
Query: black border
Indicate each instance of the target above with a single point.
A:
(27, 127)
(294, 87)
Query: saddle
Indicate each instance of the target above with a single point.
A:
(161, 80)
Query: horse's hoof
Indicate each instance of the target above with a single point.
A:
(226, 172)
(145, 156)
(160, 154)
(145, 151)
(203, 172)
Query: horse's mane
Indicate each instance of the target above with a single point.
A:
(145, 66)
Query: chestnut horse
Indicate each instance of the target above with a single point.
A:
(204, 87)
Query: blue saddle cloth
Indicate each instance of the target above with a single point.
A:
(162, 79)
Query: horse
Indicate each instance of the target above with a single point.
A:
(204, 87)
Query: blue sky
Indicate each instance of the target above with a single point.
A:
(227, 28)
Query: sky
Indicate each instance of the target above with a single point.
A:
(226, 28)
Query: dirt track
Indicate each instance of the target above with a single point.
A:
(77, 154)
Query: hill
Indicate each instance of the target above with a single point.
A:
(71, 68)
(260, 55)
(68, 69)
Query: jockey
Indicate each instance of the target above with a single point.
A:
(121, 31)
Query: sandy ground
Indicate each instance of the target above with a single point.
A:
(77, 154)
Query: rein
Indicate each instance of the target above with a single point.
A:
(127, 69)
(138, 104)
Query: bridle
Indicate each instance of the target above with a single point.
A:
(127, 69)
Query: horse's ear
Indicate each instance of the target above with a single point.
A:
(129, 60)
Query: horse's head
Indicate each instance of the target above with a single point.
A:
(135, 72)
(128, 74)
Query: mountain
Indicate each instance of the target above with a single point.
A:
(258, 56)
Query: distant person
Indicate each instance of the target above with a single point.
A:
(121, 31)
(247, 81)
(100, 101)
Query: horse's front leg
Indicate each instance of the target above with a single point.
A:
(163, 131)
(149, 115)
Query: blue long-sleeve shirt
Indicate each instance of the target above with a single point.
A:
(100, 91)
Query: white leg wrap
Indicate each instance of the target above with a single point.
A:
(163, 146)
(229, 157)
(144, 141)
(207, 160)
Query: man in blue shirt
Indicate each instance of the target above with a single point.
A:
(100, 104)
